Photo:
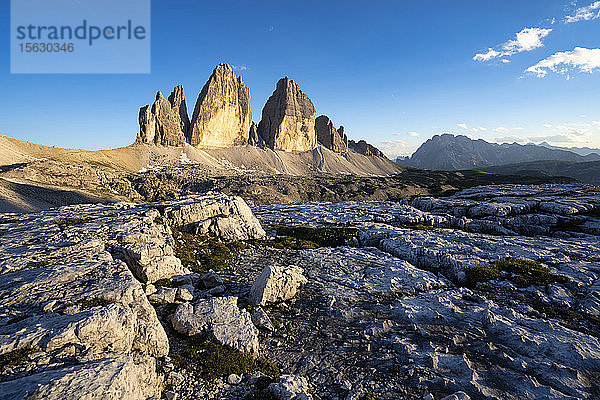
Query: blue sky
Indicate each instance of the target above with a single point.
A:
(392, 72)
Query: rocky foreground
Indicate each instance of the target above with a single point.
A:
(491, 293)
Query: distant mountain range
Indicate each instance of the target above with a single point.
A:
(454, 153)
(450, 153)
(587, 172)
(582, 151)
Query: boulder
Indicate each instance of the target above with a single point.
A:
(458, 396)
(211, 279)
(112, 378)
(290, 387)
(334, 139)
(222, 116)
(288, 119)
(166, 122)
(149, 253)
(225, 217)
(164, 295)
(275, 284)
(221, 317)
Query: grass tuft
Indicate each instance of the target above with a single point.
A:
(525, 273)
(166, 282)
(72, 221)
(481, 273)
(201, 253)
(16, 357)
(210, 359)
(329, 236)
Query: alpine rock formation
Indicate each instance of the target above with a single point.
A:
(222, 115)
(334, 139)
(288, 119)
(166, 122)
(222, 118)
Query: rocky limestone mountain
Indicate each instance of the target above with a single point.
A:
(365, 149)
(448, 152)
(222, 115)
(334, 139)
(177, 100)
(288, 119)
(166, 122)
(222, 118)
(582, 151)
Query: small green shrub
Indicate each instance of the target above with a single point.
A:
(329, 236)
(481, 273)
(420, 227)
(525, 273)
(94, 302)
(529, 272)
(572, 319)
(166, 282)
(286, 242)
(369, 396)
(260, 395)
(41, 264)
(201, 253)
(210, 359)
(72, 221)
(16, 357)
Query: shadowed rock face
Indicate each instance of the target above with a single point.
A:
(222, 115)
(253, 138)
(288, 119)
(166, 122)
(365, 148)
(177, 100)
(334, 139)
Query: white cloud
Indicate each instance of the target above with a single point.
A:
(483, 129)
(394, 148)
(463, 125)
(582, 59)
(556, 139)
(526, 40)
(547, 126)
(501, 129)
(509, 139)
(585, 13)
(505, 61)
(413, 134)
(271, 28)
(239, 67)
(487, 56)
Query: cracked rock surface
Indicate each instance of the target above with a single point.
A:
(390, 314)
(75, 320)
(492, 293)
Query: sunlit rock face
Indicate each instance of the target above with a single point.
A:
(288, 119)
(166, 122)
(222, 115)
